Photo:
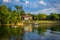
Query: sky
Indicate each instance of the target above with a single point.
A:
(35, 6)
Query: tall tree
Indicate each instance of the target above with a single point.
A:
(54, 16)
(5, 14)
(42, 16)
(19, 9)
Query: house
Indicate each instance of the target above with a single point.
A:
(26, 17)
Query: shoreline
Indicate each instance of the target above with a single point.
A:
(39, 22)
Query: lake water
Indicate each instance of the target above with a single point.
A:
(30, 32)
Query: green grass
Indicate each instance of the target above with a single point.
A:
(48, 21)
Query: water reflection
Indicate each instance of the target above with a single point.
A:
(30, 32)
(11, 33)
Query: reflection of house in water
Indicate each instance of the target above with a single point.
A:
(26, 17)
(28, 28)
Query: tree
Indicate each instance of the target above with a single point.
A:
(19, 10)
(8, 16)
(59, 16)
(4, 13)
(54, 16)
(42, 16)
(35, 17)
(9, 9)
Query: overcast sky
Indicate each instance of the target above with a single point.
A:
(35, 6)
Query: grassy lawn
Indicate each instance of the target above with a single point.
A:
(41, 21)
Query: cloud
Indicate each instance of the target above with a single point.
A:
(49, 10)
(26, 2)
(11, 1)
(42, 2)
(6, 0)
(55, 9)
(31, 4)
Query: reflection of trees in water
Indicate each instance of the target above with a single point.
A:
(40, 29)
(8, 33)
(17, 33)
(44, 27)
(4, 32)
(55, 28)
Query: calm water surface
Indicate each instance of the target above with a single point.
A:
(30, 32)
